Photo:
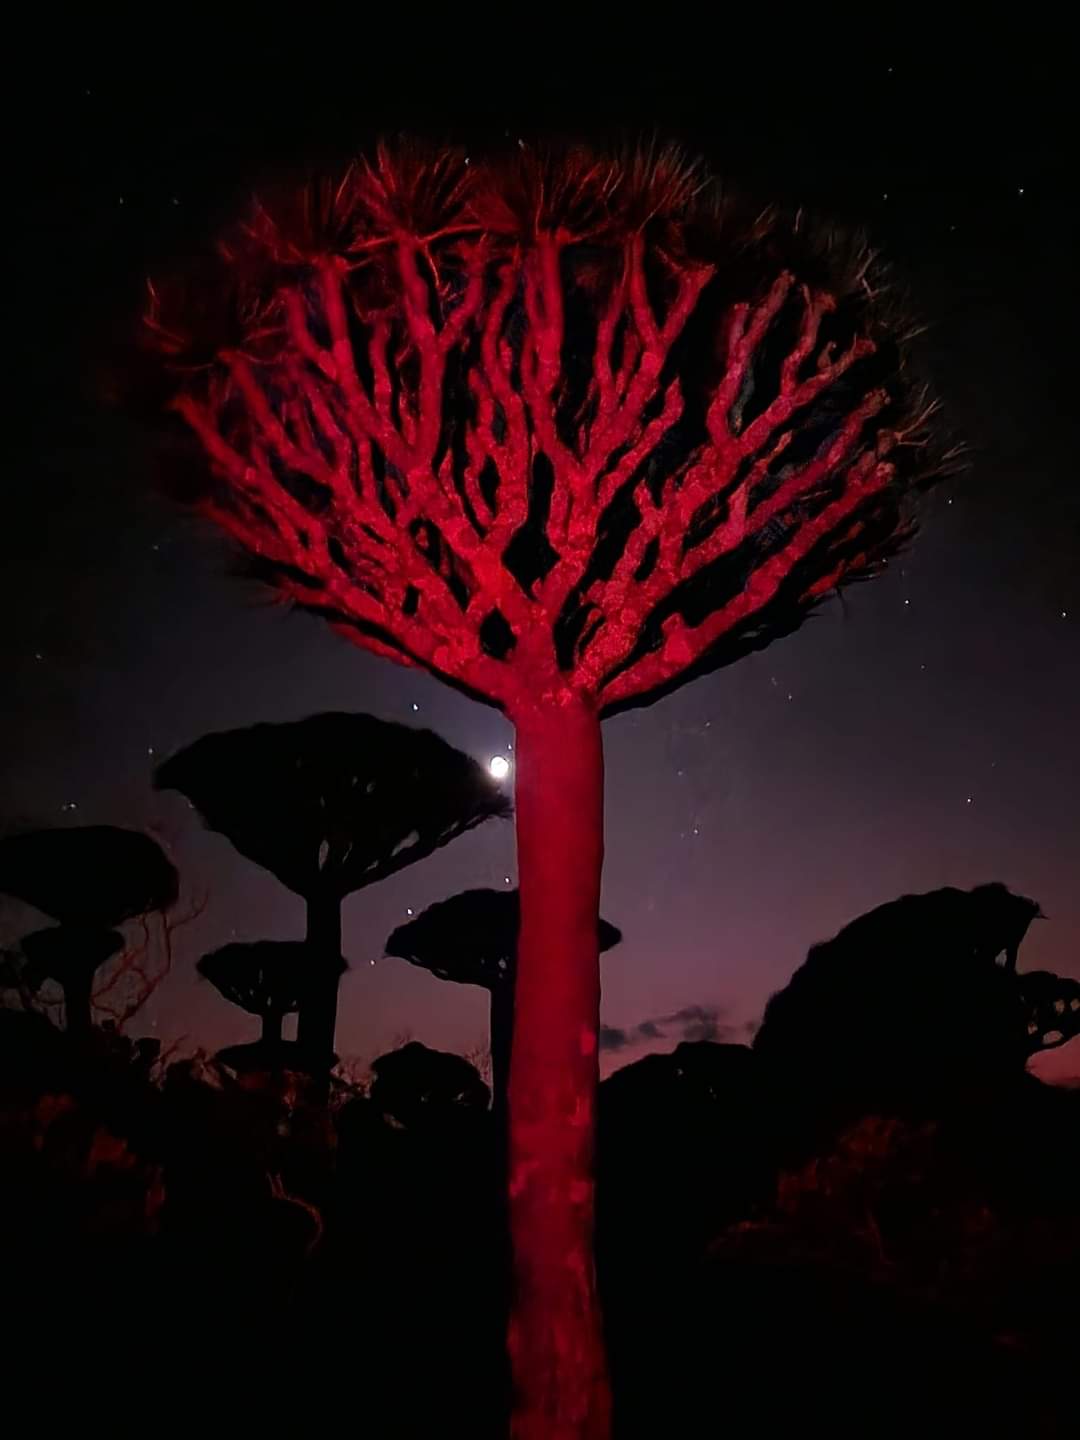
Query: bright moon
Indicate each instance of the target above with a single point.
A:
(499, 766)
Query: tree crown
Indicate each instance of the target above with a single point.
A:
(334, 802)
(547, 424)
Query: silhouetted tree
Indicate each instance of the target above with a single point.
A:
(329, 805)
(472, 939)
(267, 978)
(71, 955)
(420, 1087)
(564, 430)
(89, 878)
(88, 875)
(1053, 1006)
(906, 1003)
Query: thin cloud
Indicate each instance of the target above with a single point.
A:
(692, 1023)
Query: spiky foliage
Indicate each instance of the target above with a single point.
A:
(549, 422)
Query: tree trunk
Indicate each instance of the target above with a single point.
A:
(500, 1031)
(271, 1027)
(78, 1004)
(318, 1014)
(555, 1333)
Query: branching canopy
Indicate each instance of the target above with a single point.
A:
(554, 423)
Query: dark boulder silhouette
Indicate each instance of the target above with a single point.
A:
(471, 939)
(330, 805)
(906, 1004)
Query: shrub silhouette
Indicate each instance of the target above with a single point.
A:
(471, 939)
(330, 805)
(420, 1088)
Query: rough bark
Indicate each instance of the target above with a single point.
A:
(556, 1334)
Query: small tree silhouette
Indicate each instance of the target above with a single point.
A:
(564, 430)
(267, 978)
(90, 878)
(330, 805)
(420, 1087)
(471, 939)
(71, 955)
(1052, 1003)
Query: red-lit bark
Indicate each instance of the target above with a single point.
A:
(559, 431)
(556, 1334)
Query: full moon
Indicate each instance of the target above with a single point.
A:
(499, 766)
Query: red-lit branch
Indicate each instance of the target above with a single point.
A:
(379, 450)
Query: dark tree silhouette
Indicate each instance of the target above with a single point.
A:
(71, 955)
(1053, 1009)
(267, 978)
(907, 1002)
(90, 878)
(471, 939)
(564, 430)
(88, 875)
(420, 1087)
(329, 805)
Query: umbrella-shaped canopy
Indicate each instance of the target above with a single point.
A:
(263, 977)
(334, 802)
(93, 875)
(65, 952)
(470, 938)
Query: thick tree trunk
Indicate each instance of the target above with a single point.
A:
(271, 1028)
(318, 1014)
(555, 1333)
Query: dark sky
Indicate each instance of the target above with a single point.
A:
(921, 733)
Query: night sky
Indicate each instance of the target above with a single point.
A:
(920, 732)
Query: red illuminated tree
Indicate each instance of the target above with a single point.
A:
(564, 430)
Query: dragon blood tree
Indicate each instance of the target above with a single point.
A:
(331, 804)
(267, 978)
(471, 939)
(564, 430)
